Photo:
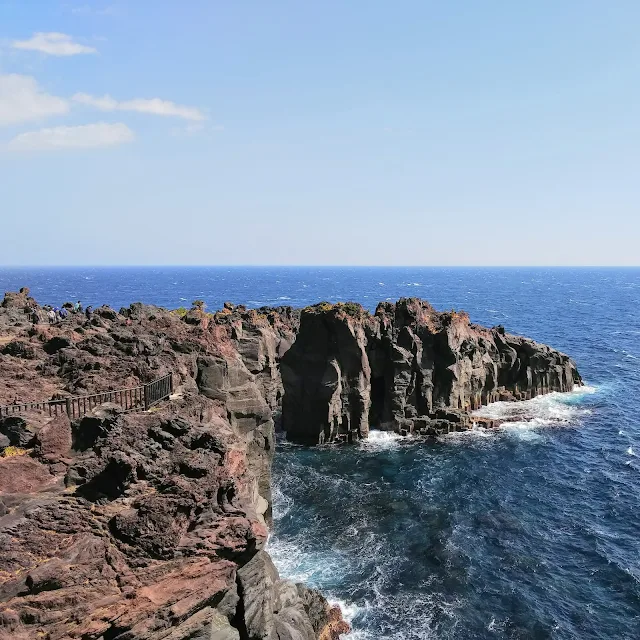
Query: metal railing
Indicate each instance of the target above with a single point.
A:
(140, 398)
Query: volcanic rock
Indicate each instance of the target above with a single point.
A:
(139, 526)
(408, 368)
(151, 525)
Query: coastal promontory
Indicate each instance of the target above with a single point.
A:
(140, 522)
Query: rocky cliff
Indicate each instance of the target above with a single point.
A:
(147, 525)
(153, 525)
(406, 368)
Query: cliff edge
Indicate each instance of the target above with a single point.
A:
(144, 525)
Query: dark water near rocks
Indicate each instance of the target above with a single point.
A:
(531, 531)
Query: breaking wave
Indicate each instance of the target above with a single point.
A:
(523, 419)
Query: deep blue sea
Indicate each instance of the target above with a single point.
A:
(528, 531)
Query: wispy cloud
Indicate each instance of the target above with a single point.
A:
(53, 44)
(154, 106)
(22, 100)
(88, 136)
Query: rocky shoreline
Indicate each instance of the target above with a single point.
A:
(153, 525)
(406, 368)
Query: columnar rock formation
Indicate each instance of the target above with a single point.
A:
(408, 368)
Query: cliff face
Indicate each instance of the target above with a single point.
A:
(408, 368)
(149, 525)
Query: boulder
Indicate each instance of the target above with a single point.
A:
(19, 349)
(57, 343)
(17, 431)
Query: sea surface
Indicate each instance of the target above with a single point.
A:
(528, 531)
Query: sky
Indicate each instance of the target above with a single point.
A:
(368, 132)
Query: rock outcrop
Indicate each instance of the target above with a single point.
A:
(406, 368)
(148, 525)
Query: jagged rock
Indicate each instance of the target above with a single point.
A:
(17, 431)
(53, 441)
(276, 609)
(229, 381)
(19, 349)
(327, 378)
(106, 312)
(56, 344)
(348, 370)
(18, 300)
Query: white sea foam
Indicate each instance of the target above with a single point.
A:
(552, 407)
(630, 452)
(382, 440)
(523, 420)
(282, 503)
(308, 564)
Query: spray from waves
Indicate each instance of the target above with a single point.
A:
(552, 408)
(282, 503)
(524, 419)
(382, 440)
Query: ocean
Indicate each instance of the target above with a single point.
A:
(528, 531)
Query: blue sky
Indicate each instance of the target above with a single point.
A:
(286, 132)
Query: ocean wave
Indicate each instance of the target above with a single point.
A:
(282, 503)
(382, 440)
(525, 420)
(552, 408)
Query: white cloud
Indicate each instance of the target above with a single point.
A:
(86, 136)
(22, 100)
(154, 106)
(53, 44)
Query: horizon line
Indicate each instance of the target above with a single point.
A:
(318, 266)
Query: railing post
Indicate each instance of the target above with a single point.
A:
(146, 397)
(68, 403)
(170, 383)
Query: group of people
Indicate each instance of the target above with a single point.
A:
(55, 315)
